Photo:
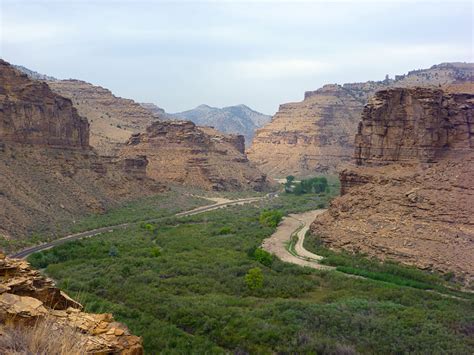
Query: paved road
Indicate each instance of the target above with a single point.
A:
(277, 243)
(90, 233)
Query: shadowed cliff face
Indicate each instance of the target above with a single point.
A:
(317, 134)
(181, 152)
(411, 197)
(32, 114)
(48, 172)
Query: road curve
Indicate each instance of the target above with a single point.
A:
(294, 224)
(90, 233)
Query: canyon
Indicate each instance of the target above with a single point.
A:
(317, 135)
(408, 194)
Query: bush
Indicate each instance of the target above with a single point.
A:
(270, 218)
(263, 257)
(254, 278)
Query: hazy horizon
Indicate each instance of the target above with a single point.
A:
(179, 55)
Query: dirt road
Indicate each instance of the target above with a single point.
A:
(279, 241)
(220, 204)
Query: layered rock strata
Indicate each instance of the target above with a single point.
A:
(181, 152)
(317, 135)
(27, 298)
(411, 196)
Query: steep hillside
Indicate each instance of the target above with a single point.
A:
(316, 135)
(181, 152)
(238, 119)
(113, 119)
(48, 172)
(411, 196)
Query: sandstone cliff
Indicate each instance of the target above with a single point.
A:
(48, 172)
(411, 197)
(181, 152)
(28, 300)
(316, 135)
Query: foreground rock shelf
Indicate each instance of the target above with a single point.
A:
(27, 298)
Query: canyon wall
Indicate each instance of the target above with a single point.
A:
(49, 175)
(317, 135)
(183, 153)
(410, 198)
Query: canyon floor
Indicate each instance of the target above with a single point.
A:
(180, 282)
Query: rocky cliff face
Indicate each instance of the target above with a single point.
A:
(181, 152)
(316, 135)
(48, 172)
(27, 298)
(418, 124)
(411, 197)
(32, 114)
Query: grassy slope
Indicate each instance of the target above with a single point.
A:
(181, 286)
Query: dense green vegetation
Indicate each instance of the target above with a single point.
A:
(316, 185)
(200, 284)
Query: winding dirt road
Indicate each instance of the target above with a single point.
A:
(279, 241)
(219, 203)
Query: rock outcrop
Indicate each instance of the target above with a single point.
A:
(27, 298)
(411, 196)
(181, 152)
(316, 135)
(49, 175)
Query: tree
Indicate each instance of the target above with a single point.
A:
(254, 279)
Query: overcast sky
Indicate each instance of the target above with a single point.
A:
(180, 54)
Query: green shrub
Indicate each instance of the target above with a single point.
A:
(263, 257)
(254, 279)
(270, 218)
